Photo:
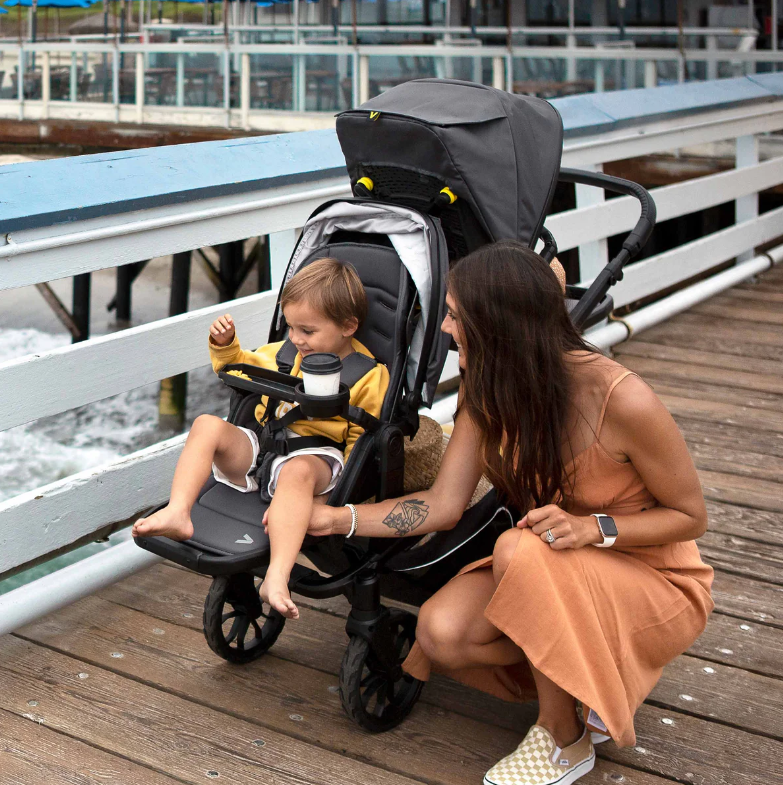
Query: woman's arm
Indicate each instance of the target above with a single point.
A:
(436, 509)
(639, 428)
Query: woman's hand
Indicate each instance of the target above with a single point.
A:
(324, 520)
(569, 531)
(222, 330)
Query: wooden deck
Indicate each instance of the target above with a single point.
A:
(121, 687)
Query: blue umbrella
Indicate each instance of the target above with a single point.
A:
(50, 3)
(2, 10)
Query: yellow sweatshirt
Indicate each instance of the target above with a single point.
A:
(368, 393)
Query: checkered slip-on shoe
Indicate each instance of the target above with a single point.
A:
(539, 761)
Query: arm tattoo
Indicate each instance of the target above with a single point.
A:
(407, 516)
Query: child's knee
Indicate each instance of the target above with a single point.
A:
(301, 469)
(206, 425)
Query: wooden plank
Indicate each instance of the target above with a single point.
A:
(743, 299)
(749, 293)
(270, 691)
(162, 731)
(741, 644)
(32, 754)
(771, 403)
(689, 749)
(730, 695)
(735, 489)
(737, 521)
(684, 369)
(719, 412)
(738, 312)
(140, 592)
(642, 347)
(747, 599)
(728, 461)
(121, 361)
(743, 557)
(174, 662)
(730, 436)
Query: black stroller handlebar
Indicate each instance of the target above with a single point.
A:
(640, 234)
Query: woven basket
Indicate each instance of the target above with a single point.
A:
(423, 456)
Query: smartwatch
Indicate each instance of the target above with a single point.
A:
(608, 529)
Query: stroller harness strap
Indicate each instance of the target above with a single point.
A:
(272, 434)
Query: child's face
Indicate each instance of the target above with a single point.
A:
(310, 331)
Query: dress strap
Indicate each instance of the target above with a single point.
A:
(606, 400)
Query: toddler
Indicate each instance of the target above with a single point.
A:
(324, 305)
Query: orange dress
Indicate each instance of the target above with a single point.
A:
(600, 623)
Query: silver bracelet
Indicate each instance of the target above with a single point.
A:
(354, 520)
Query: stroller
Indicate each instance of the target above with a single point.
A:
(438, 168)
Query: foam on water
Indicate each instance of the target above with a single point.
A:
(54, 447)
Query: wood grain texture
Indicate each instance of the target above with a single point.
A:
(170, 734)
(644, 348)
(731, 436)
(743, 557)
(32, 754)
(683, 370)
(748, 599)
(731, 519)
(742, 313)
(747, 491)
(727, 461)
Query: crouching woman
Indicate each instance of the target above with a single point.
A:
(600, 582)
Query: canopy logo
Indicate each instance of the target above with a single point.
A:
(374, 115)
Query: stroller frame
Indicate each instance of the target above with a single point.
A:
(374, 690)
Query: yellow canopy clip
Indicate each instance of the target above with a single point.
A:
(366, 182)
(452, 196)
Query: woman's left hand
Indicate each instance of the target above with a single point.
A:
(569, 531)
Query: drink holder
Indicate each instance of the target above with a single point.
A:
(282, 387)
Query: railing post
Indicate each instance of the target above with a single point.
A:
(570, 59)
(650, 73)
(227, 86)
(599, 76)
(46, 82)
(281, 246)
(139, 87)
(592, 256)
(746, 207)
(355, 82)
(244, 93)
(115, 83)
(73, 81)
(300, 83)
(180, 79)
(364, 78)
(20, 83)
(498, 73)
(81, 305)
(509, 63)
(174, 390)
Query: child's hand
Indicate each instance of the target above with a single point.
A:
(222, 330)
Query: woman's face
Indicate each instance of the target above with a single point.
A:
(451, 326)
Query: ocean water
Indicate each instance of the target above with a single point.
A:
(52, 448)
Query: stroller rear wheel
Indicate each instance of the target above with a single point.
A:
(379, 695)
(235, 624)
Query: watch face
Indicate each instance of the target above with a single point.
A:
(608, 526)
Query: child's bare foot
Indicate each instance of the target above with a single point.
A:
(274, 592)
(169, 522)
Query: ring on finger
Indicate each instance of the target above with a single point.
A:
(550, 538)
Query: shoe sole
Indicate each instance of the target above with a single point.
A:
(579, 771)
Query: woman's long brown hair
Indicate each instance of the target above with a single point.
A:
(516, 388)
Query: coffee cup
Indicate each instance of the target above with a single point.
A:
(321, 373)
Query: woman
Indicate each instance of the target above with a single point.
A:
(564, 434)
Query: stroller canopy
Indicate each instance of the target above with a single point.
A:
(499, 152)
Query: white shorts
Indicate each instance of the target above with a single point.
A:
(332, 455)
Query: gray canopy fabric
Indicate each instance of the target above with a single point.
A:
(499, 152)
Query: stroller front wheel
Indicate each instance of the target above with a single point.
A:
(235, 624)
(375, 695)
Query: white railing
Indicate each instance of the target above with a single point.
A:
(51, 518)
(300, 86)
